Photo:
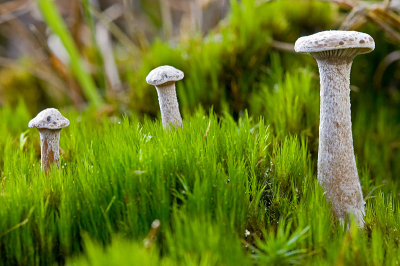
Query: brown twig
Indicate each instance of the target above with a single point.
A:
(385, 27)
(389, 16)
(355, 15)
(389, 59)
(11, 13)
(378, 13)
(115, 30)
(37, 72)
(284, 46)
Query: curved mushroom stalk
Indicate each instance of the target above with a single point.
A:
(49, 143)
(337, 171)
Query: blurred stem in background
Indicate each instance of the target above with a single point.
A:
(99, 62)
(55, 21)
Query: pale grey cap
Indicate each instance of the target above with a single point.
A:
(335, 40)
(164, 74)
(49, 118)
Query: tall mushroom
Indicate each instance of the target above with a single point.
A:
(164, 78)
(49, 122)
(337, 171)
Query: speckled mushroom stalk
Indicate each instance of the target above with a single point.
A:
(337, 171)
(49, 146)
(168, 104)
(49, 123)
(164, 78)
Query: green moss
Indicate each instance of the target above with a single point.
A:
(207, 189)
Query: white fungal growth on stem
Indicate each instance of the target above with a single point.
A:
(337, 171)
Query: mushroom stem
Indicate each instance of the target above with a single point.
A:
(337, 171)
(49, 143)
(168, 104)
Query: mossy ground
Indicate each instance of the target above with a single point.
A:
(208, 183)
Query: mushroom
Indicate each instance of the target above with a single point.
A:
(49, 122)
(337, 171)
(164, 78)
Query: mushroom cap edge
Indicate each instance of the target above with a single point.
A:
(164, 74)
(49, 118)
(335, 40)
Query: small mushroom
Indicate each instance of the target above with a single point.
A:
(337, 171)
(49, 122)
(164, 78)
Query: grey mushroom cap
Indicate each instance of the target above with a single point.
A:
(335, 40)
(164, 74)
(50, 119)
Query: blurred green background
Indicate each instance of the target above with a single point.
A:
(236, 56)
(81, 52)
